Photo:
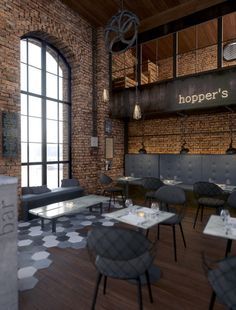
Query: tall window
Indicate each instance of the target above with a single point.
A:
(45, 115)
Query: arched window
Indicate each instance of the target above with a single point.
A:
(45, 115)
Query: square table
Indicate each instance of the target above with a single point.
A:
(55, 210)
(127, 181)
(216, 227)
(138, 216)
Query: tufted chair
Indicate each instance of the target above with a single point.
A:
(208, 195)
(120, 253)
(110, 190)
(151, 184)
(172, 199)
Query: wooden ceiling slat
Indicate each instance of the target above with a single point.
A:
(176, 12)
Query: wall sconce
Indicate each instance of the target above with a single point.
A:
(105, 95)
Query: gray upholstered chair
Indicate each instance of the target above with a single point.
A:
(172, 199)
(208, 195)
(109, 189)
(122, 254)
(151, 184)
(231, 201)
(222, 278)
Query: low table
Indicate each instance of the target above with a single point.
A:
(54, 211)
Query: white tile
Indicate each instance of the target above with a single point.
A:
(40, 255)
(35, 228)
(63, 219)
(86, 223)
(24, 242)
(49, 238)
(107, 224)
(35, 233)
(75, 239)
(23, 224)
(26, 272)
(71, 234)
(51, 243)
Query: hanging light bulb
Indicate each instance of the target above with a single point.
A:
(137, 112)
(105, 95)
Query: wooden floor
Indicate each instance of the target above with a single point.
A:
(69, 282)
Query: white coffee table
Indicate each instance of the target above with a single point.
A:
(53, 211)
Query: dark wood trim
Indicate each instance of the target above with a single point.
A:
(188, 21)
(219, 43)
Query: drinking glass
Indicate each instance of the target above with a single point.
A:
(155, 207)
(128, 203)
(227, 222)
(223, 214)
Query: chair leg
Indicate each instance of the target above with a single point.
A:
(202, 207)
(212, 301)
(149, 286)
(99, 277)
(174, 240)
(147, 233)
(158, 232)
(196, 216)
(104, 285)
(109, 206)
(139, 287)
(182, 233)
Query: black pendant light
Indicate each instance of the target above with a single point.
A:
(183, 149)
(230, 150)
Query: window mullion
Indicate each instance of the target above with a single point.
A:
(44, 121)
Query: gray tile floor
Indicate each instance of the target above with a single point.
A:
(33, 243)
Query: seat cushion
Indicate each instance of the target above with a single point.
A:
(211, 202)
(124, 269)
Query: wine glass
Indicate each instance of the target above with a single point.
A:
(128, 202)
(223, 214)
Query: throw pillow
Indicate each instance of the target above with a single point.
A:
(69, 182)
(40, 189)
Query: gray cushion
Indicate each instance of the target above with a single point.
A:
(39, 189)
(69, 182)
(26, 190)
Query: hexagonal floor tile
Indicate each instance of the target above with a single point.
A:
(27, 283)
(63, 219)
(49, 238)
(90, 217)
(86, 223)
(34, 228)
(35, 233)
(60, 229)
(43, 263)
(51, 243)
(26, 272)
(72, 233)
(107, 223)
(23, 224)
(25, 242)
(40, 255)
(75, 239)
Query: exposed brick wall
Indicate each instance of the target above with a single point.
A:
(69, 33)
(205, 133)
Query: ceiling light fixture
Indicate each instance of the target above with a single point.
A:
(120, 34)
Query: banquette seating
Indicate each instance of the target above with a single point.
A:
(188, 169)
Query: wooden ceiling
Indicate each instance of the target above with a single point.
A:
(152, 13)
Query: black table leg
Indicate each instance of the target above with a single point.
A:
(42, 223)
(54, 225)
(228, 247)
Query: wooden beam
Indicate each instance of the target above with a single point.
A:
(177, 12)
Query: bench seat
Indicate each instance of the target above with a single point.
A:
(31, 201)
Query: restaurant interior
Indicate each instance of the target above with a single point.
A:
(118, 154)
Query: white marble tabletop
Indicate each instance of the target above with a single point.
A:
(128, 179)
(138, 216)
(227, 188)
(216, 227)
(171, 182)
(58, 209)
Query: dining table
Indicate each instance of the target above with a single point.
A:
(127, 180)
(217, 227)
(142, 218)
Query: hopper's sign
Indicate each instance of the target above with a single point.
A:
(206, 90)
